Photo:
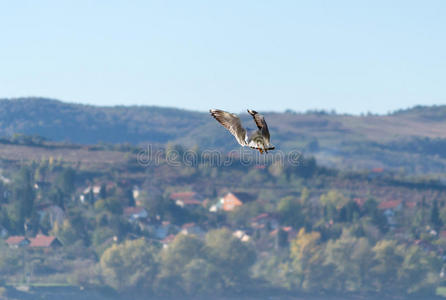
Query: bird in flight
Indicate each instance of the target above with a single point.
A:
(258, 139)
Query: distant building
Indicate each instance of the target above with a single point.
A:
(90, 193)
(391, 204)
(289, 232)
(44, 241)
(164, 229)
(17, 241)
(231, 201)
(264, 220)
(95, 189)
(133, 213)
(167, 240)
(192, 229)
(241, 235)
(136, 192)
(187, 199)
(390, 208)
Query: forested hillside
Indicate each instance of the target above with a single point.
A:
(411, 141)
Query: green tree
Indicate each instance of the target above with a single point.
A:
(362, 264)
(338, 255)
(418, 272)
(65, 181)
(387, 264)
(22, 200)
(232, 257)
(290, 212)
(334, 197)
(307, 258)
(65, 233)
(174, 259)
(435, 216)
(130, 265)
(103, 191)
(200, 277)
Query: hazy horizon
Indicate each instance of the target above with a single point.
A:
(328, 110)
(350, 56)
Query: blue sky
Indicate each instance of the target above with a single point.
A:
(352, 56)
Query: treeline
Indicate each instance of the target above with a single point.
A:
(320, 236)
(219, 264)
(352, 264)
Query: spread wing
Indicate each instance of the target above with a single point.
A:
(260, 122)
(232, 123)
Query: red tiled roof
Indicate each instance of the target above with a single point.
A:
(190, 202)
(411, 204)
(188, 225)
(259, 217)
(42, 241)
(168, 239)
(15, 240)
(230, 201)
(377, 170)
(128, 211)
(389, 204)
(287, 229)
(182, 195)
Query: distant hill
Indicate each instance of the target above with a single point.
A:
(88, 124)
(413, 139)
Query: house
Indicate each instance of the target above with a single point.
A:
(233, 200)
(44, 241)
(136, 192)
(288, 234)
(164, 229)
(390, 208)
(411, 204)
(241, 235)
(167, 240)
(264, 220)
(17, 241)
(391, 204)
(135, 213)
(90, 193)
(216, 207)
(95, 189)
(187, 199)
(192, 229)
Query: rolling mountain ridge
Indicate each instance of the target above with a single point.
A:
(414, 139)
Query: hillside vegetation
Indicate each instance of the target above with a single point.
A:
(411, 141)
